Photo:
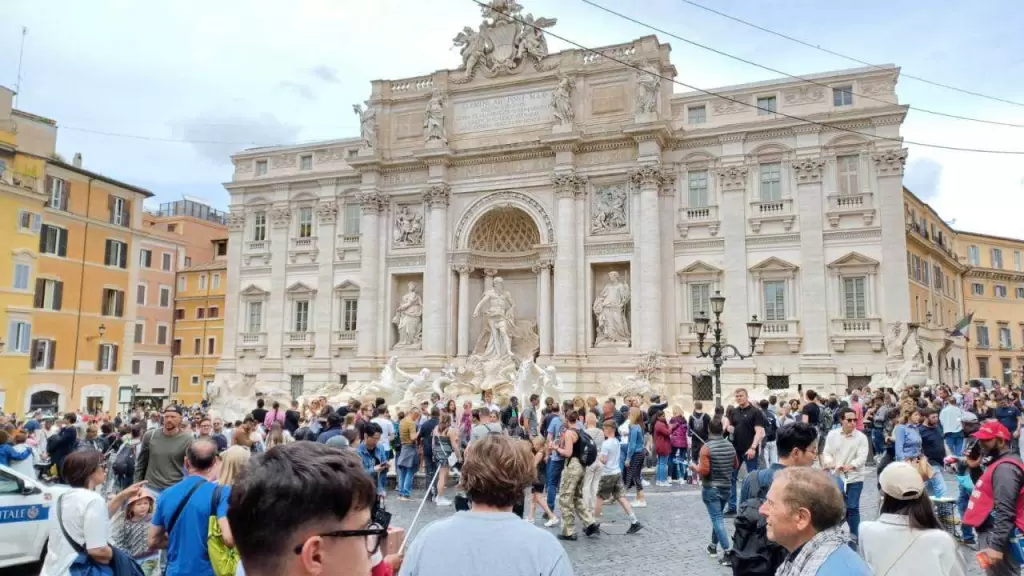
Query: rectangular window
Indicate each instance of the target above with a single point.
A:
(43, 354)
(174, 384)
(848, 169)
(159, 370)
(700, 295)
(1017, 261)
(997, 258)
(188, 261)
(1007, 369)
(353, 215)
(261, 167)
(973, 256)
(165, 297)
(195, 380)
(202, 282)
(21, 276)
(19, 335)
(842, 96)
(1000, 291)
(216, 281)
(113, 303)
(165, 263)
(214, 312)
(255, 316)
(179, 314)
(306, 162)
(925, 275)
(176, 347)
(140, 294)
(696, 115)
(978, 289)
(982, 367)
(200, 313)
(697, 188)
(1005, 337)
(297, 384)
(49, 294)
(197, 346)
(221, 248)
(53, 240)
(349, 311)
(855, 297)
(775, 300)
(58, 194)
(108, 358)
(937, 276)
(116, 254)
(301, 319)
(120, 211)
(211, 346)
(917, 267)
(305, 222)
(259, 226)
(982, 332)
(771, 181)
(161, 335)
(136, 366)
(1020, 293)
(140, 330)
(766, 105)
(29, 221)
(146, 258)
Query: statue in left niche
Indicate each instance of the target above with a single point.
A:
(367, 124)
(433, 119)
(408, 317)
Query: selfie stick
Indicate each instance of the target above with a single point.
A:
(408, 532)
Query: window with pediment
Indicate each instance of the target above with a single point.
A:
(853, 278)
(775, 280)
(301, 298)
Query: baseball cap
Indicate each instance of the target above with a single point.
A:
(901, 481)
(173, 408)
(992, 429)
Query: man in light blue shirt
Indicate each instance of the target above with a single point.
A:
(951, 420)
(555, 464)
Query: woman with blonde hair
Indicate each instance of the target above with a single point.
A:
(580, 405)
(635, 454)
(232, 462)
(277, 435)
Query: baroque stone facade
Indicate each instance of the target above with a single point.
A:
(611, 207)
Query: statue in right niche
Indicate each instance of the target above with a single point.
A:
(610, 310)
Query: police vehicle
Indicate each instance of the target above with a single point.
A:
(25, 508)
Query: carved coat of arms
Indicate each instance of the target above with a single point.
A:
(504, 42)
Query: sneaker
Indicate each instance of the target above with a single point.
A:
(645, 483)
(592, 530)
(554, 521)
(712, 550)
(729, 512)
(634, 528)
(725, 560)
(640, 504)
(442, 501)
(569, 537)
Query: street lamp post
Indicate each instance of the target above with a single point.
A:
(717, 351)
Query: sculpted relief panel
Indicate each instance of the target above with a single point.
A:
(408, 230)
(608, 211)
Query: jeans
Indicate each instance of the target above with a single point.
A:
(405, 476)
(955, 443)
(936, 485)
(429, 469)
(733, 496)
(771, 452)
(554, 479)
(661, 472)
(677, 464)
(852, 497)
(715, 499)
(878, 438)
(622, 461)
(963, 498)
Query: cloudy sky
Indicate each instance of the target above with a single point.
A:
(160, 93)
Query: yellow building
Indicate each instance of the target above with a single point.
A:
(993, 287)
(25, 142)
(198, 326)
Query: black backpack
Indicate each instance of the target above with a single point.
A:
(124, 461)
(753, 554)
(771, 426)
(585, 449)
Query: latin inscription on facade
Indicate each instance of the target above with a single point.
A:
(502, 112)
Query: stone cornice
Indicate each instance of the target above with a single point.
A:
(569, 184)
(695, 143)
(508, 157)
(605, 145)
(994, 274)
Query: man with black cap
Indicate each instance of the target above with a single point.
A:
(995, 507)
(162, 454)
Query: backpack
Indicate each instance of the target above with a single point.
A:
(771, 426)
(753, 554)
(584, 449)
(224, 560)
(124, 461)
(825, 419)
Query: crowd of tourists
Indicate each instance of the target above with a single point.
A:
(180, 493)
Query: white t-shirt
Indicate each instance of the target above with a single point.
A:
(28, 465)
(86, 520)
(387, 430)
(610, 449)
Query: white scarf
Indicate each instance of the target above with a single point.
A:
(813, 554)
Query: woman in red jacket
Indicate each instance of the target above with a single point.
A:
(662, 448)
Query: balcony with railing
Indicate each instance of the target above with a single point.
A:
(781, 332)
(854, 205)
(762, 211)
(257, 247)
(191, 208)
(299, 340)
(845, 330)
(686, 338)
(20, 179)
(696, 217)
(302, 250)
(343, 339)
(255, 342)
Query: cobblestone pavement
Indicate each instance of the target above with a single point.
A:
(673, 542)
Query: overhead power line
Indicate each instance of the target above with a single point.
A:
(796, 77)
(741, 102)
(188, 141)
(850, 58)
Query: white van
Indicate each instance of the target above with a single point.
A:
(25, 508)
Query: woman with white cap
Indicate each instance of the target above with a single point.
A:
(906, 538)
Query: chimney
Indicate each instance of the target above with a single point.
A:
(77, 160)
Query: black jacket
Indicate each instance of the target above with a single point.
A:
(1006, 484)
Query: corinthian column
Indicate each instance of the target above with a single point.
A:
(648, 181)
(813, 293)
(374, 203)
(543, 270)
(568, 185)
(436, 276)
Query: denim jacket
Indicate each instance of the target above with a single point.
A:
(636, 441)
(379, 456)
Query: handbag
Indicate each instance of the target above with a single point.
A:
(924, 468)
(223, 559)
(121, 564)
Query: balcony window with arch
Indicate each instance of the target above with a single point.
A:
(776, 289)
(853, 280)
(699, 204)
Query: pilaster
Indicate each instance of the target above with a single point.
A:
(648, 180)
(232, 326)
(374, 204)
(327, 216)
(435, 279)
(736, 279)
(813, 290)
(280, 219)
(568, 186)
(889, 167)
